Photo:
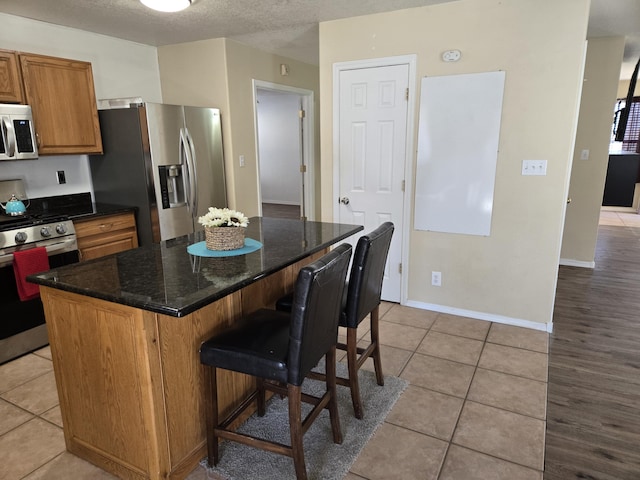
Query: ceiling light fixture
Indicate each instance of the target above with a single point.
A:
(167, 5)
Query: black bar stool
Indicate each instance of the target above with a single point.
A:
(361, 298)
(280, 349)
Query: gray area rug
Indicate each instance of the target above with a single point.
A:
(325, 460)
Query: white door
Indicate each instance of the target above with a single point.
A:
(372, 140)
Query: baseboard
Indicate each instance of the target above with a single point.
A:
(489, 317)
(577, 263)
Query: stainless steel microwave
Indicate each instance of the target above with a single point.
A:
(17, 135)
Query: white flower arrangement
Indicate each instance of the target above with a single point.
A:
(223, 217)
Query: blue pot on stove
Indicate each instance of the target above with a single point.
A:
(14, 206)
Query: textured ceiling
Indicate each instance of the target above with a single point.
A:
(285, 27)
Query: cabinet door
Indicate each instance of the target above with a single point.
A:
(10, 82)
(63, 101)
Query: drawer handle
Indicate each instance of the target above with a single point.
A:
(106, 226)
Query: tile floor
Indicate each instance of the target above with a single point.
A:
(475, 407)
(619, 218)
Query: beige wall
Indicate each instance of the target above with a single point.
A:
(623, 88)
(602, 70)
(219, 73)
(510, 275)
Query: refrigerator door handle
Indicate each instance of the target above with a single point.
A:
(190, 156)
(185, 168)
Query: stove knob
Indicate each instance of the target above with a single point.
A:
(44, 231)
(61, 229)
(21, 237)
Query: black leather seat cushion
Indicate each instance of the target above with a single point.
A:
(285, 346)
(258, 347)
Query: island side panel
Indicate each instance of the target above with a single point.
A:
(101, 364)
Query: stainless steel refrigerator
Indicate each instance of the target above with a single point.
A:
(166, 160)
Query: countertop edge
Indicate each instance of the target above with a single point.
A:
(186, 310)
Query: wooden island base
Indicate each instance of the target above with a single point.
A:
(131, 387)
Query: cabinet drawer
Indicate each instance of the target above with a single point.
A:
(103, 225)
(106, 235)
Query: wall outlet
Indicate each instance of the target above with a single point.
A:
(61, 177)
(584, 155)
(436, 279)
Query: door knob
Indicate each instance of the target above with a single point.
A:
(344, 200)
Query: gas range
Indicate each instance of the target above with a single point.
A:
(26, 230)
(46, 224)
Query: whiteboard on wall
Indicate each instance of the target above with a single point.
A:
(458, 134)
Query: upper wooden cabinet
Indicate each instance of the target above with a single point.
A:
(10, 83)
(63, 102)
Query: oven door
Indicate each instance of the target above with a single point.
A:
(23, 328)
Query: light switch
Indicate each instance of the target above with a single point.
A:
(241, 160)
(534, 167)
(584, 155)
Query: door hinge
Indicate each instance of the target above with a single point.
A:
(403, 185)
(406, 94)
(302, 113)
(400, 268)
(303, 169)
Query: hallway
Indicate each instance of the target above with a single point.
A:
(593, 405)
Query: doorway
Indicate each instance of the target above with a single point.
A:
(372, 151)
(284, 146)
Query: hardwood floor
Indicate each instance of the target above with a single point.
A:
(280, 211)
(593, 409)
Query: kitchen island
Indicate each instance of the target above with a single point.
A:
(125, 332)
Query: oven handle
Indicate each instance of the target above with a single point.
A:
(68, 245)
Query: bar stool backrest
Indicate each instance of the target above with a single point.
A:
(367, 272)
(315, 311)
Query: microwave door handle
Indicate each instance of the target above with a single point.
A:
(9, 136)
(193, 174)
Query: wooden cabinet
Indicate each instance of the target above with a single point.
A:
(63, 102)
(102, 236)
(10, 81)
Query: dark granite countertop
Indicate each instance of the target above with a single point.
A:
(165, 278)
(78, 206)
(100, 210)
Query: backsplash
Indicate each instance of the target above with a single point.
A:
(40, 179)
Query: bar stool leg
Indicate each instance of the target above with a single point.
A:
(295, 425)
(375, 339)
(330, 362)
(261, 396)
(212, 417)
(352, 364)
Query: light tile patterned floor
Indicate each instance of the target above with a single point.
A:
(475, 407)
